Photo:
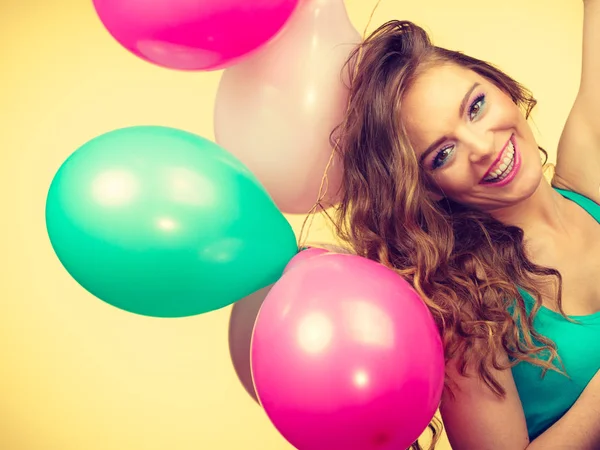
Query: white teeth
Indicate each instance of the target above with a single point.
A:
(505, 166)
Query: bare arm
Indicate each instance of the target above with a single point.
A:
(578, 160)
(476, 419)
(579, 427)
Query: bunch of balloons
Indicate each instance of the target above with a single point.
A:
(162, 222)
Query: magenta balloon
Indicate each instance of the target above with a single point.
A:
(193, 34)
(304, 255)
(345, 355)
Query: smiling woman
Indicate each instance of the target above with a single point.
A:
(444, 183)
(478, 133)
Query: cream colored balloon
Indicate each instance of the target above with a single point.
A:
(275, 110)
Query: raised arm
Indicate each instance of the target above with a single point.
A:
(578, 162)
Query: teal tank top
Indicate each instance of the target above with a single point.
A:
(546, 400)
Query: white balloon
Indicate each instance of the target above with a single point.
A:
(275, 110)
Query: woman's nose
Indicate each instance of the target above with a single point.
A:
(481, 146)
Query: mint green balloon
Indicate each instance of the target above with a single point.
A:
(161, 222)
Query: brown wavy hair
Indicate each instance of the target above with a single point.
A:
(465, 264)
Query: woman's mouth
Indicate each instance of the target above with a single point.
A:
(505, 167)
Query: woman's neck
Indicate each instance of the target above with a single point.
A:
(544, 212)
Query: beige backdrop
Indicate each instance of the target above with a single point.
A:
(78, 374)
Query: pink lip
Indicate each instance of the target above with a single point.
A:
(513, 172)
(498, 159)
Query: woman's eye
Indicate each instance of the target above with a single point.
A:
(442, 157)
(476, 107)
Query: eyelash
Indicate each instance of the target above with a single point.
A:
(437, 162)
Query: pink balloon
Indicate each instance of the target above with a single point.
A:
(303, 256)
(193, 34)
(275, 110)
(345, 355)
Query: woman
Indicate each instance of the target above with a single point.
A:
(444, 182)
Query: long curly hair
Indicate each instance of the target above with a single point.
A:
(465, 264)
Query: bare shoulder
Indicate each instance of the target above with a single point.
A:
(477, 419)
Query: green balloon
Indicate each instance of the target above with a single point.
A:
(162, 222)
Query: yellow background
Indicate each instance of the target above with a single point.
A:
(78, 374)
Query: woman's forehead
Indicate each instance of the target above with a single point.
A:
(432, 103)
(438, 83)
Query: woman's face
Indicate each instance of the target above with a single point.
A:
(471, 138)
